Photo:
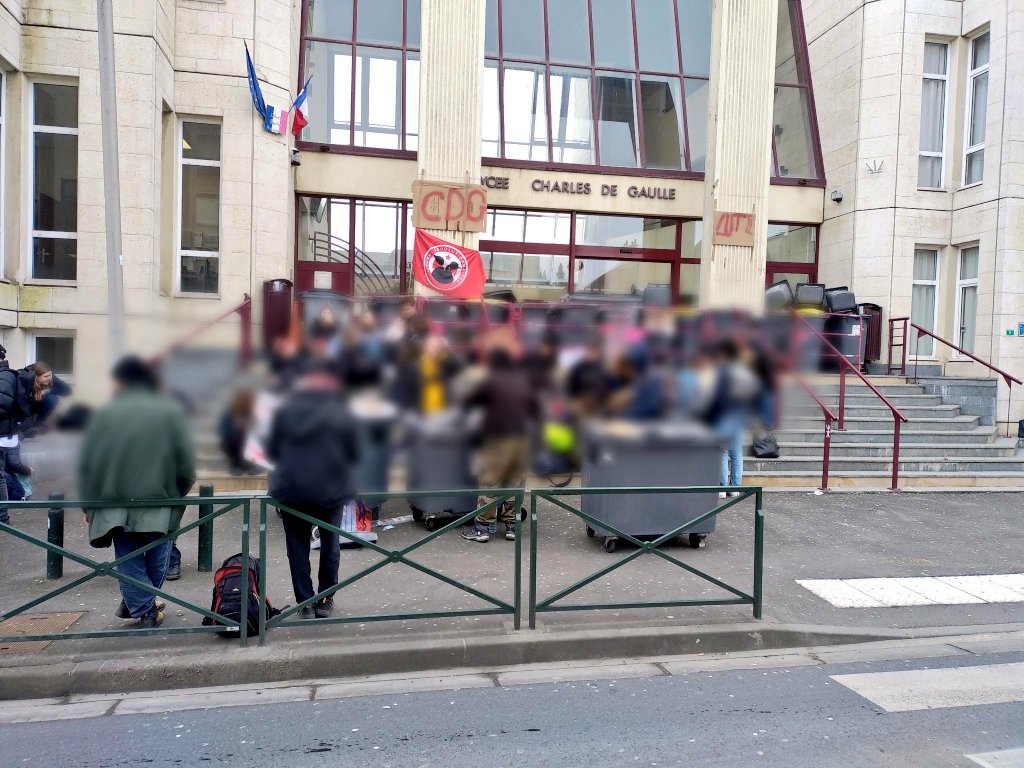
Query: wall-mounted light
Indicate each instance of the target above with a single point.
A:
(837, 196)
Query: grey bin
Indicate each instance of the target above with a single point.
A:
(666, 454)
(374, 421)
(440, 455)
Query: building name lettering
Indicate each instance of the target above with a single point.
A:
(557, 186)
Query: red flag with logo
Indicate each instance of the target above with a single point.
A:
(447, 268)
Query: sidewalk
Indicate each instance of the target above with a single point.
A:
(807, 537)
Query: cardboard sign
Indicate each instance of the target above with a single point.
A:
(454, 207)
(734, 229)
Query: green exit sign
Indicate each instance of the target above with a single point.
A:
(1009, 331)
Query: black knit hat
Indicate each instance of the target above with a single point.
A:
(133, 371)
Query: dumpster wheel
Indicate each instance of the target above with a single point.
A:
(590, 532)
(611, 544)
(417, 514)
(698, 540)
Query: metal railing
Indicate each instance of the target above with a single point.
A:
(844, 366)
(653, 548)
(1010, 379)
(57, 550)
(244, 312)
(830, 418)
(390, 556)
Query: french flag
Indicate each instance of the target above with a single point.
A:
(300, 113)
(275, 120)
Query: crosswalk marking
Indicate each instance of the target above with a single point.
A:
(920, 590)
(911, 690)
(1005, 758)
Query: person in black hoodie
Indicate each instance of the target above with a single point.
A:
(313, 446)
(16, 389)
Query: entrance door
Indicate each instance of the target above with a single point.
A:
(324, 259)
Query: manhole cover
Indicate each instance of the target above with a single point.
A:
(34, 624)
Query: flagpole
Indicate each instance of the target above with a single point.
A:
(111, 175)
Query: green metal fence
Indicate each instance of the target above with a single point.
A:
(210, 510)
(653, 548)
(389, 556)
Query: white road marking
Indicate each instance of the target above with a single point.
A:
(1005, 758)
(939, 590)
(919, 689)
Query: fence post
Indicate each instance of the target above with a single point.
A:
(55, 536)
(206, 531)
(758, 551)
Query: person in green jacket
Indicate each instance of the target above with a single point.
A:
(137, 447)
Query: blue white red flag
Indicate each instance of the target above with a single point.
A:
(300, 111)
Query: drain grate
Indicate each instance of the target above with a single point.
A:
(34, 624)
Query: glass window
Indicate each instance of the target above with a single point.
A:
(491, 130)
(199, 208)
(526, 119)
(616, 120)
(620, 278)
(967, 298)
(569, 36)
(923, 306)
(3, 168)
(572, 117)
(977, 110)
(613, 34)
(697, 122)
(491, 29)
(931, 151)
(793, 138)
(371, 100)
(656, 36)
(377, 259)
(695, 36)
(56, 351)
(625, 231)
(663, 121)
(786, 70)
(54, 182)
(522, 29)
(789, 243)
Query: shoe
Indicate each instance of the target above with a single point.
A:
(733, 494)
(152, 620)
(5, 519)
(721, 494)
(122, 611)
(477, 533)
(306, 613)
(173, 574)
(315, 542)
(510, 531)
(324, 608)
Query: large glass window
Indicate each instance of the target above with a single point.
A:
(967, 297)
(794, 136)
(199, 208)
(977, 110)
(363, 58)
(54, 181)
(923, 304)
(792, 244)
(932, 147)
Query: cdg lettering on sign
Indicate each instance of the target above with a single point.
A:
(455, 207)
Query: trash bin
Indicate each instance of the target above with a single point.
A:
(440, 456)
(809, 345)
(845, 332)
(621, 453)
(374, 419)
(872, 314)
(277, 310)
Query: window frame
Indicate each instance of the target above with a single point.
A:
(936, 251)
(4, 78)
(33, 129)
(54, 333)
(972, 75)
(180, 162)
(958, 297)
(945, 119)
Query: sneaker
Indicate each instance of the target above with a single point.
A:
(733, 494)
(306, 613)
(173, 574)
(510, 531)
(5, 519)
(315, 542)
(721, 494)
(152, 620)
(324, 608)
(122, 611)
(478, 533)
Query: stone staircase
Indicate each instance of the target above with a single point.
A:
(941, 446)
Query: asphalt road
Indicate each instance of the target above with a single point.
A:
(791, 717)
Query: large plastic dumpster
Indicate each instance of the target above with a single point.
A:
(624, 454)
(440, 458)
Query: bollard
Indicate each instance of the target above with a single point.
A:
(206, 532)
(55, 536)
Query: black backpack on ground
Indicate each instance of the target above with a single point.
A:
(765, 446)
(227, 595)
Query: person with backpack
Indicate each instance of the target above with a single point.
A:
(138, 446)
(16, 387)
(313, 446)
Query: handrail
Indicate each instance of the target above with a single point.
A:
(1008, 378)
(368, 268)
(244, 311)
(897, 416)
(826, 449)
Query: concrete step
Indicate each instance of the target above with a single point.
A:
(861, 389)
(880, 480)
(907, 451)
(884, 421)
(858, 399)
(936, 464)
(815, 434)
(877, 411)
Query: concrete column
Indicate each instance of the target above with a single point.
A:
(737, 174)
(451, 95)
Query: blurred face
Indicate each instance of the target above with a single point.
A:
(46, 379)
(406, 311)
(326, 315)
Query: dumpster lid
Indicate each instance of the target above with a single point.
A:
(370, 406)
(679, 432)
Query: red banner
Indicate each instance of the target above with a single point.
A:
(447, 268)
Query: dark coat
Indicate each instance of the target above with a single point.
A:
(136, 447)
(16, 387)
(313, 446)
(509, 403)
